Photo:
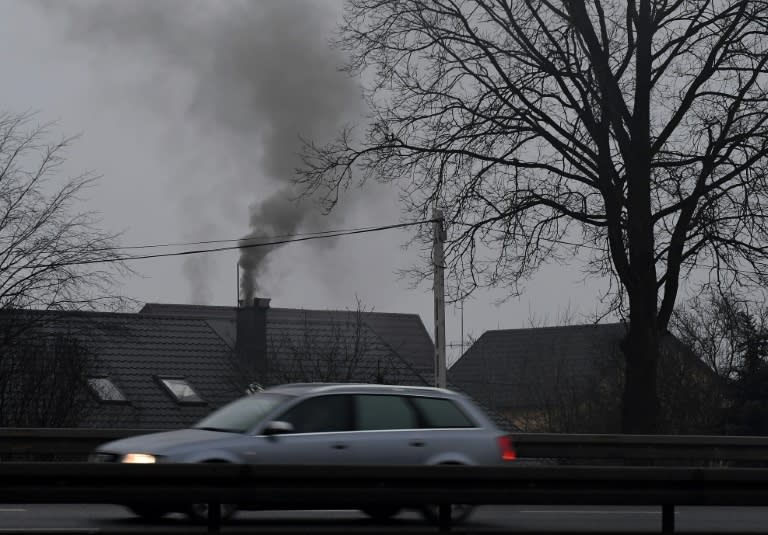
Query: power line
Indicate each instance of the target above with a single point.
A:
(323, 233)
(246, 240)
(300, 238)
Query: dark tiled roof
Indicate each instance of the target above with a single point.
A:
(133, 349)
(406, 335)
(197, 343)
(517, 368)
(397, 342)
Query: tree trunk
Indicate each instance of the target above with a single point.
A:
(640, 408)
(641, 348)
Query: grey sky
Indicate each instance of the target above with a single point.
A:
(191, 111)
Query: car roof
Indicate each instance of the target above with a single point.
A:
(298, 389)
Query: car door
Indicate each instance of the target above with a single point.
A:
(389, 430)
(452, 435)
(322, 426)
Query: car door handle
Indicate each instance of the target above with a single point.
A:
(339, 446)
(416, 443)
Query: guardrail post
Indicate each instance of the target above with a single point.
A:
(444, 514)
(214, 516)
(667, 518)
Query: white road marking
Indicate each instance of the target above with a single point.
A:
(294, 511)
(589, 512)
(12, 510)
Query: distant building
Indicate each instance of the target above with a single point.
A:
(570, 379)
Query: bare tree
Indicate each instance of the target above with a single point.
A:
(340, 350)
(565, 316)
(731, 332)
(633, 132)
(44, 381)
(709, 324)
(53, 258)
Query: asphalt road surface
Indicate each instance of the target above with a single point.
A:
(509, 519)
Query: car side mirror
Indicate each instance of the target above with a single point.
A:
(277, 427)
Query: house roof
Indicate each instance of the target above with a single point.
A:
(135, 350)
(516, 368)
(197, 343)
(398, 344)
(399, 341)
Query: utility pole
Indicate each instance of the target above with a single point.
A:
(462, 328)
(438, 261)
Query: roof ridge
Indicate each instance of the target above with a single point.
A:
(552, 327)
(352, 311)
(105, 314)
(187, 306)
(233, 308)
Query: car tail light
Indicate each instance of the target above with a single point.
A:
(508, 452)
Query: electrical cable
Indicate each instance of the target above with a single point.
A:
(235, 240)
(315, 236)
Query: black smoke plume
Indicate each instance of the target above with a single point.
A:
(262, 72)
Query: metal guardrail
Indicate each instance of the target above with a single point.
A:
(642, 447)
(323, 486)
(357, 486)
(74, 443)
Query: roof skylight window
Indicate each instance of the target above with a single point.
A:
(181, 390)
(106, 390)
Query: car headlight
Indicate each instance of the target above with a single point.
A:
(138, 458)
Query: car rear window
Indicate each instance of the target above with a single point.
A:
(437, 412)
(378, 412)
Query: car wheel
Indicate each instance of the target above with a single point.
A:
(198, 512)
(148, 512)
(459, 513)
(381, 513)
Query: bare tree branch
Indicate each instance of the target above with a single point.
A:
(636, 128)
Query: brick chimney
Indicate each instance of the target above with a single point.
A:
(251, 340)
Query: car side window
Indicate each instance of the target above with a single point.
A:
(441, 413)
(322, 414)
(378, 412)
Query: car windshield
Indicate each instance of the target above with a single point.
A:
(243, 414)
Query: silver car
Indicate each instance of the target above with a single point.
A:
(320, 423)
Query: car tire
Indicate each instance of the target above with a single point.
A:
(459, 513)
(198, 512)
(148, 512)
(381, 513)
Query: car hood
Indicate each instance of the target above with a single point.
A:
(158, 442)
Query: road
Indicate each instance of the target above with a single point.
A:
(519, 519)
